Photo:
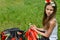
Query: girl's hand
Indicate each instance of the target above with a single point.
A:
(33, 27)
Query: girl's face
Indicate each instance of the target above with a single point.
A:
(49, 10)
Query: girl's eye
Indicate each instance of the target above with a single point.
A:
(47, 9)
(51, 10)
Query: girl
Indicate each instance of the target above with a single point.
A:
(49, 22)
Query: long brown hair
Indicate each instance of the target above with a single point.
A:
(45, 20)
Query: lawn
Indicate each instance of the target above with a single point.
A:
(19, 13)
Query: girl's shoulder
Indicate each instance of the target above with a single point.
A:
(53, 21)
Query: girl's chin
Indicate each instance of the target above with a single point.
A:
(48, 15)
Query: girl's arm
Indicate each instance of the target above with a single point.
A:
(49, 31)
(34, 27)
(40, 29)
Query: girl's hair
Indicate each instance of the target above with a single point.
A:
(45, 20)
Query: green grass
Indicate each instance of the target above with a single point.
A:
(19, 13)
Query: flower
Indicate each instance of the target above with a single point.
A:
(52, 3)
(47, 1)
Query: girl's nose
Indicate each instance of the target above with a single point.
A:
(48, 11)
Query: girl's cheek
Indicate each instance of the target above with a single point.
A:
(51, 12)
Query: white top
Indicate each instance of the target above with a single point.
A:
(54, 32)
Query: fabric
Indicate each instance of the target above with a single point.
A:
(43, 38)
(31, 35)
(11, 34)
(53, 39)
(54, 33)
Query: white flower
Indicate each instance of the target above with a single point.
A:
(45, 1)
(52, 3)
